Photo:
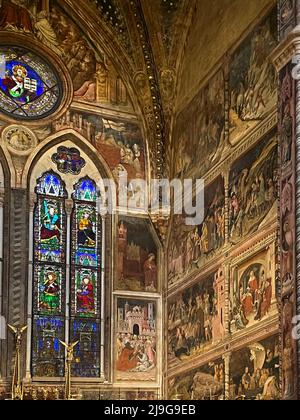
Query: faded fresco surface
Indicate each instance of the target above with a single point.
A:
(223, 144)
(119, 142)
(137, 266)
(196, 319)
(205, 383)
(253, 190)
(191, 247)
(253, 80)
(200, 142)
(255, 372)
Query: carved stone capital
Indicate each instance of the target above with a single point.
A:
(69, 207)
(287, 49)
(32, 201)
(227, 357)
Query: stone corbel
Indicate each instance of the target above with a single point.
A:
(287, 49)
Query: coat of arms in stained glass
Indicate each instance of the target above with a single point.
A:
(68, 160)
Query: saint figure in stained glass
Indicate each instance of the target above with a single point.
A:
(86, 233)
(29, 88)
(85, 294)
(49, 286)
(50, 230)
(85, 279)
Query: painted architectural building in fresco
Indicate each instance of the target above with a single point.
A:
(97, 99)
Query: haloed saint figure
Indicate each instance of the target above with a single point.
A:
(19, 86)
(50, 289)
(85, 297)
(86, 234)
(50, 231)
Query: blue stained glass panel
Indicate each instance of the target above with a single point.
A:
(51, 184)
(87, 352)
(47, 353)
(86, 190)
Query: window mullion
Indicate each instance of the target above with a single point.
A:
(69, 206)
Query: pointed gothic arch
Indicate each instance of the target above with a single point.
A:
(83, 270)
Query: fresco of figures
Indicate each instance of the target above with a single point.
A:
(137, 267)
(252, 291)
(136, 341)
(58, 32)
(253, 190)
(93, 75)
(200, 131)
(119, 142)
(191, 246)
(254, 372)
(205, 383)
(196, 318)
(253, 80)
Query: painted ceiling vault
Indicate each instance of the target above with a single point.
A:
(144, 41)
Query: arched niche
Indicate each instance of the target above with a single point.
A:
(41, 159)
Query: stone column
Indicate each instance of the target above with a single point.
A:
(32, 202)
(69, 207)
(17, 243)
(102, 321)
(1, 265)
(227, 205)
(227, 359)
(286, 59)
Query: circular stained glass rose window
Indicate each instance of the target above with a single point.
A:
(30, 88)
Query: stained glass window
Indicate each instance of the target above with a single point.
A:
(50, 289)
(29, 87)
(49, 276)
(85, 279)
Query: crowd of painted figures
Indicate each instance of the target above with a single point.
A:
(135, 353)
(257, 378)
(190, 322)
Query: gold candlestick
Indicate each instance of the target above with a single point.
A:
(68, 364)
(17, 385)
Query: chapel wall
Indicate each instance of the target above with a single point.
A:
(222, 310)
